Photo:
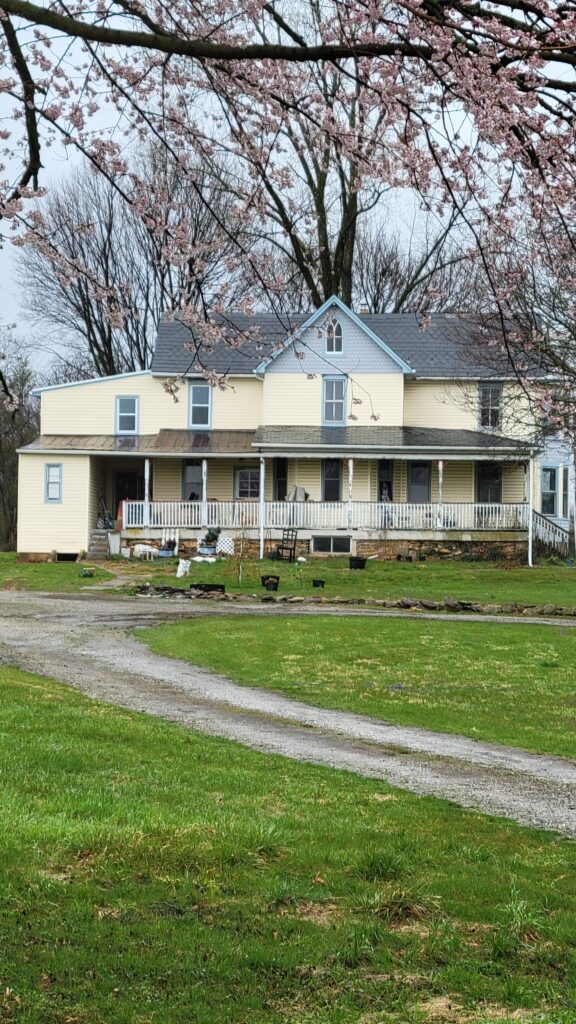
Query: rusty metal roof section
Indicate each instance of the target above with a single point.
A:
(167, 442)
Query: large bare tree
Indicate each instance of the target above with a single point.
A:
(18, 425)
(98, 276)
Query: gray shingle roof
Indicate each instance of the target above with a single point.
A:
(449, 347)
(386, 439)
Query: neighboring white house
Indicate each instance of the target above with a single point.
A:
(394, 435)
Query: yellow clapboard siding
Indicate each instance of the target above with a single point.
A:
(60, 526)
(167, 479)
(91, 408)
(239, 406)
(292, 399)
(440, 404)
(513, 482)
(459, 481)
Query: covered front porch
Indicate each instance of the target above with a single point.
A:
(353, 515)
(336, 489)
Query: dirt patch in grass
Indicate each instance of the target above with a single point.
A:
(325, 914)
(444, 1010)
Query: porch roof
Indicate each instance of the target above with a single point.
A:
(167, 442)
(390, 441)
(366, 442)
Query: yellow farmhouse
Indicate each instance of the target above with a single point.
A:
(370, 434)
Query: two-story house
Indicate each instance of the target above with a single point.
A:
(368, 434)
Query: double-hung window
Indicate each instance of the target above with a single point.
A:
(126, 414)
(200, 406)
(549, 490)
(334, 403)
(53, 482)
(490, 402)
(334, 337)
(565, 471)
(247, 482)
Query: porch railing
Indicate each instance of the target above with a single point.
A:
(550, 534)
(326, 515)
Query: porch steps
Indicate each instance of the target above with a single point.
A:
(552, 539)
(98, 546)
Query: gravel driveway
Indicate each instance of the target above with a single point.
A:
(85, 642)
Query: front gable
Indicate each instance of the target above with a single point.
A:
(306, 350)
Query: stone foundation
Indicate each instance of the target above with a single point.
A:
(454, 551)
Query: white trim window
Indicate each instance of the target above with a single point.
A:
(126, 414)
(549, 502)
(53, 483)
(334, 338)
(247, 483)
(334, 401)
(565, 472)
(200, 406)
(490, 406)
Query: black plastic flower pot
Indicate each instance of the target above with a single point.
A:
(269, 576)
(357, 563)
(318, 583)
(271, 584)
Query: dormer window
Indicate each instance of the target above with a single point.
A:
(334, 337)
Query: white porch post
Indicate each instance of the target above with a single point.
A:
(530, 500)
(261, 504)
(204, 508)
(350, 488)
(146, 492)
(440, 492)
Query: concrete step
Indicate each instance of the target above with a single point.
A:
(98, 545)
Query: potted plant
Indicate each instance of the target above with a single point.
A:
(207, 546)
(270, 582)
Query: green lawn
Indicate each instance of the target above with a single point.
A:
(508, 684)
(56, 576)
(480, 581)
(153, 876)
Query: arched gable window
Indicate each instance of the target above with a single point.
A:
(334, 337)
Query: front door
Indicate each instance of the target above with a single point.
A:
(489, 481)
(331, 480)
(192, 480)
(419, 482)
(128, 486)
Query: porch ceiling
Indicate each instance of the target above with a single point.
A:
(391, 442)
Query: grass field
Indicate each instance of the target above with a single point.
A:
(56, 576)
(150, 875)
(480, 581)
(508, 684)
